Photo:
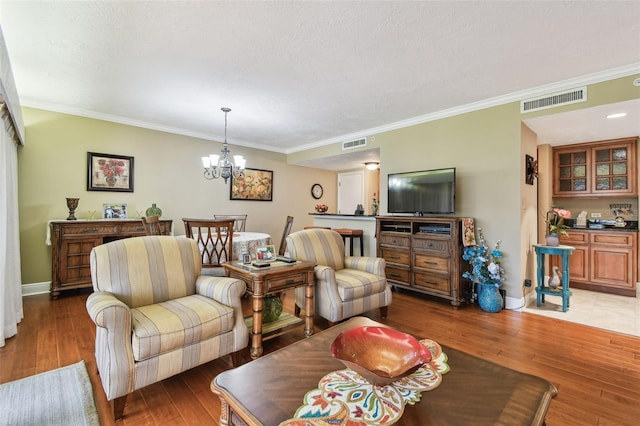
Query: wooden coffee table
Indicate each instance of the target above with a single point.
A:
(269, 390)
(270, 280)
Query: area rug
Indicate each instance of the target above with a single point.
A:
(58, 397)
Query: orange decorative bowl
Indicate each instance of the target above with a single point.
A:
(381, 355)
(321, 208)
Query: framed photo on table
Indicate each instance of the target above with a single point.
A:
(114, 211)
(108, 172)
(253, 185)
(266, 253)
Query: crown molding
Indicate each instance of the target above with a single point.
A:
(593, 78)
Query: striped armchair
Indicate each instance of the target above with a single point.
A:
(156, 316)
(346, 286)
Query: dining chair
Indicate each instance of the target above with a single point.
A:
(151, 225)
(285, 233)
(215, 240)
(241, 220)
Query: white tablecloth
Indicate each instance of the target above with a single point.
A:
(247, 242)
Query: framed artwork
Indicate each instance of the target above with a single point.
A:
(265, 253)
(108, 172)
(114, 211)
(531, 169)
(253, 185)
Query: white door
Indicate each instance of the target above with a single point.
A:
(350, 192)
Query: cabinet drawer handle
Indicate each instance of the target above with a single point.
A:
(87, 230)
(429, 282)
(289, 282)
(394, 257)
(394, 275)
(430, 262)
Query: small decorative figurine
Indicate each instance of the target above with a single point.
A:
(374, 206)
(554, 282)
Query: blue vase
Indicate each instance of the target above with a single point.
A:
(489, 298)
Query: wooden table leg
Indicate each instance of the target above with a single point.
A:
(308, 305)
(256, 332)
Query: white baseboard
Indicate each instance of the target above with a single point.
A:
(514, 302)
(36, 288)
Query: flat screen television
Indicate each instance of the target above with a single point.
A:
(422, 192)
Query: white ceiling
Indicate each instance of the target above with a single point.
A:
(303, 74)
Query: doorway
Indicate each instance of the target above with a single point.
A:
(350, 191)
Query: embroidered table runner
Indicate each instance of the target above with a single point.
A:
(344, 397)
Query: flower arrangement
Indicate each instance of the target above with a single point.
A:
(111, 168)
(555, 221)
(485, 263)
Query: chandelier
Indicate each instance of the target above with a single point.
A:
(219, 166)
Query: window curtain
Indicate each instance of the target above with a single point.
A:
(11, 312)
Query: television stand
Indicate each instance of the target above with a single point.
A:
(423, 254)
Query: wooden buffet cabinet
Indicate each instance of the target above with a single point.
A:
(72, 242)
(605, 261)
(422, 254)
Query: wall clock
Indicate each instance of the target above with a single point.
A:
(317, 191)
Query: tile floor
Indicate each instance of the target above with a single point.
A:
(608, 311)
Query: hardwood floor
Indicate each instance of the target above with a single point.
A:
(597, 373)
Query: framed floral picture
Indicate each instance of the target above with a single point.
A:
(108, 172)
(253, 185)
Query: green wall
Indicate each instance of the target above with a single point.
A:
(487, 147)
(167, 171)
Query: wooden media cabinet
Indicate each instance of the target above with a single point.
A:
(423, 254)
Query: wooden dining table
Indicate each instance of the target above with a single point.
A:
(248, 242)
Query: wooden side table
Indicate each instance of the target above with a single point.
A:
(564, 252)
(270, 280)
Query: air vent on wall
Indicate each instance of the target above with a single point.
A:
(554, 99)
(354, 144)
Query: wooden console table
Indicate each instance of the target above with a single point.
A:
(474, 392)
(72, 241)
(270, 280)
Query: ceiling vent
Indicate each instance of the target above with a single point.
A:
(354, 144)
(553, 100)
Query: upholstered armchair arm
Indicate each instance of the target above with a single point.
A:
(114, 355)
(374, 265)
(324, 274)
(106, 310)
(227, 291)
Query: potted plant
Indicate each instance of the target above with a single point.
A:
(555, 225)
(486, 271)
